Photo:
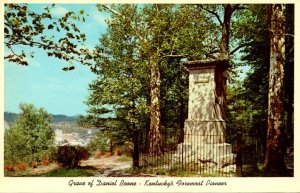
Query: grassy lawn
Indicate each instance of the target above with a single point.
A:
(52, 170)
(62, 172)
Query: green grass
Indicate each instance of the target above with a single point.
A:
(124, 158)
(62, 172)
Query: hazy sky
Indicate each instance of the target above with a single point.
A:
(43, 82)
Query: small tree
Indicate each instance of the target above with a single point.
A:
(30, 137)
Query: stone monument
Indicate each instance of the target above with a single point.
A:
(204, 130)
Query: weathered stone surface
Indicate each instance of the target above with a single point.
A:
(219, 154)
(204, 130)
(229, 168)
(201, 131)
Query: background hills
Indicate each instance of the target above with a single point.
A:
(11, 117)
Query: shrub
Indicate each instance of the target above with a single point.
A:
(107, 154)
(9, 168)
(45, 162)
(83, 152)
(21, 166)
(69, 156)
(118, 152)
(99, 142)
(34, 164)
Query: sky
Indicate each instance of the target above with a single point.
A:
(44, 83)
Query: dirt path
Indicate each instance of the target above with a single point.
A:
(111, 166)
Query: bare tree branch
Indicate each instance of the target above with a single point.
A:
(213, 13)
(239, 47)
(113, 11)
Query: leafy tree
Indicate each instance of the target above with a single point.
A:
(257, 55)
(99, 142)
(139, 56)
(27, 28)
(30, 138)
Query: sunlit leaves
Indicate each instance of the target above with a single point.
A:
(30, 138)
(27, 28)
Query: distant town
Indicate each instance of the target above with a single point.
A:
(71, 134)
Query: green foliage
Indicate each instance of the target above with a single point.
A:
(30, 137)
(138, 38)
(99, 142)
(69, 156)
(26, 27)
(247, 100)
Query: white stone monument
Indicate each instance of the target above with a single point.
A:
(204, 130)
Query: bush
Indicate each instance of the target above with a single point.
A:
(117, 152)
(34, 164)
(45, 162)
(9, 168)
(69, 156)
(99, 142)
(21, 166)
(107, 154)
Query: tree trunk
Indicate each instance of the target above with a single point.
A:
(224, 45)
(224, 55)
(154, 133)
(274, 160)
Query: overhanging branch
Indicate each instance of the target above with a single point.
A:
(213, 13)
(238, 47)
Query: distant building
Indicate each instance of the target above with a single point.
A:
(58, 136)
(73, 138)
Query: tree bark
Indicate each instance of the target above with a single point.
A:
(224, 55)
(224, 45)
(274, 160)
(154, 133)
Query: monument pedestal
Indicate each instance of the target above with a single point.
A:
(204, 130)
(204, 142)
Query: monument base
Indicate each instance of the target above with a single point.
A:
(219, 154)
(204, 142)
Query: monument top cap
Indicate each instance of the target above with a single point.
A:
(198, 64)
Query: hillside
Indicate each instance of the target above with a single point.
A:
(11, 117)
